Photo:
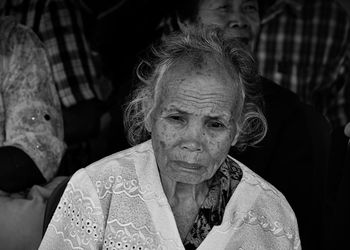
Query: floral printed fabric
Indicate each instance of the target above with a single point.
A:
(212, 210)
(30, 115)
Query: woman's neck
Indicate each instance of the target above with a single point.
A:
(185, 201)
(182, 193)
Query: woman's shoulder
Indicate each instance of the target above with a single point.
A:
(253, 179)
(115, 168)
(257, 204)
(116, 172)
(262, 195)
(118, 161)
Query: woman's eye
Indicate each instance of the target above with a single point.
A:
(216, 125)
(250, 8)
(175, 118)
(223, 8)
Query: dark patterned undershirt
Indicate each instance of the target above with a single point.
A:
(210, 214)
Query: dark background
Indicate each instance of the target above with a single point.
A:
(122, 34)
(121, 31)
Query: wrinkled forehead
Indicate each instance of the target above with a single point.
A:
(202, 67)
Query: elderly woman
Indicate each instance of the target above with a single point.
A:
(297, 144)
(180, 189)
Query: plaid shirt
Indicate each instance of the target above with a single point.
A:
(60, 27)
(302, 46)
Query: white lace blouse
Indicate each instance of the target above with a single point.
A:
(118, 203)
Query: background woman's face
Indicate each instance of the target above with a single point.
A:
(193, 123)
(238, 18)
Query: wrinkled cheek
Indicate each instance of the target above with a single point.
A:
(219, 150)
(159, 147)
(164, 137)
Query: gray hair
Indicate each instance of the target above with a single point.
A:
(191, 45)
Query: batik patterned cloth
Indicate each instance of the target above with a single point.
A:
(210, 214)
(119, 203)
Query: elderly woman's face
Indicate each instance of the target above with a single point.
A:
(193, 124)
(237, 18)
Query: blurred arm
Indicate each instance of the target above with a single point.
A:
(61, 29)
(33, 122)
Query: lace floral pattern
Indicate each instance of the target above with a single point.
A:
(119, 203)
(128, 237)
(78, 213)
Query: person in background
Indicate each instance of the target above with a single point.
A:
(31, 135)
(305, 46)
(82, 93)
(180, 189)
(294, 154)
(302, 46)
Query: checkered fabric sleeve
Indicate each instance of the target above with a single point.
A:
(302, 46)
(72, 65)
(58, 23)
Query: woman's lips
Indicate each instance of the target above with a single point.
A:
(187, 165)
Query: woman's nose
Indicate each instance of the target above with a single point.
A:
(192, 146)
(192, 139)
(237, 20)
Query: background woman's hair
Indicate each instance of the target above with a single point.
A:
(190, 46)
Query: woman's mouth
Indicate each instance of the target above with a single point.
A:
(191, 166)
